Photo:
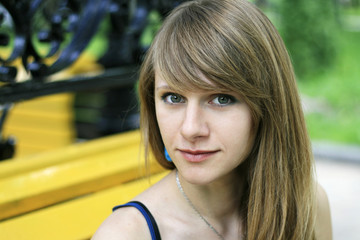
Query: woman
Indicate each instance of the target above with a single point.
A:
(219, 106)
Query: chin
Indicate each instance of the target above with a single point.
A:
(198, 177)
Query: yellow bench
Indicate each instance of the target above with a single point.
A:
(41, 124)
(78, 175)
(74, 220)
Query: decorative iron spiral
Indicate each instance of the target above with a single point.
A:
(37, 30)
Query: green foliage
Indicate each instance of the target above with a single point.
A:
(99, 42)
(308, 28)
(154, 23)
(339, 88)
(338, 128)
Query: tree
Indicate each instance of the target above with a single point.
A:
(308, 29)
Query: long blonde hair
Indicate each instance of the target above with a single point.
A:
(234, 45)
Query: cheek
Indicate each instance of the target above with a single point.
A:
(166, 123)
(237, 133)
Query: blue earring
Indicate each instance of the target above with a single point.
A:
(167, 156)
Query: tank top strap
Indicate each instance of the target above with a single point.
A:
(154, 230)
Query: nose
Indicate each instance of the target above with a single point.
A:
(194, 124)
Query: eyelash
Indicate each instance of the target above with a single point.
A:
(166, 95)
(230, 98)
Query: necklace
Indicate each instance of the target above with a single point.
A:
(193, 207)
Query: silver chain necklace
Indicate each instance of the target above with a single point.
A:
(193, 207)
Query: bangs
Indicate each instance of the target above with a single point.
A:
(185, 52)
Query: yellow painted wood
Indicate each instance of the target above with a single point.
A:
(51, 103)
(42, 112)
(34, 189)
(40, 119)
(42, 138)
(26, 150)
(76, 151)
(42, 123)
(73, 220)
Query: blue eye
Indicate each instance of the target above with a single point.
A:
(172, 98)
(223, 100)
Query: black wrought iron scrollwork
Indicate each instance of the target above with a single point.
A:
(45, 37)
(71, 23)
(38, 30)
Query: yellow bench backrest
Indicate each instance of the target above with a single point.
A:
(78, 185)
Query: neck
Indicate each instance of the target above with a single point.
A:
(219, 201)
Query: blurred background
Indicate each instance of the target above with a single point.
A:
(323, 39)
(68, 72)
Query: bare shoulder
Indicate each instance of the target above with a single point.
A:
(128, 223)
(323, 216)
(124, 223)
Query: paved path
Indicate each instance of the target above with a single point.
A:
(341, 180)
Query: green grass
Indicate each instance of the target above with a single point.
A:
(340, 89)
(351, 10)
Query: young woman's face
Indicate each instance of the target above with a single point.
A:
(207, 134)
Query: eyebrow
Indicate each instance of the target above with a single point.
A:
(164, 87)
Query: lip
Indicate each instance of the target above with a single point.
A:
(197, 156)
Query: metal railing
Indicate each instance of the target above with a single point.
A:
(45, 37)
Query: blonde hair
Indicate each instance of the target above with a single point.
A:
(235, 46)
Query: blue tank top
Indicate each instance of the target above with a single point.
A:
(154, 230)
